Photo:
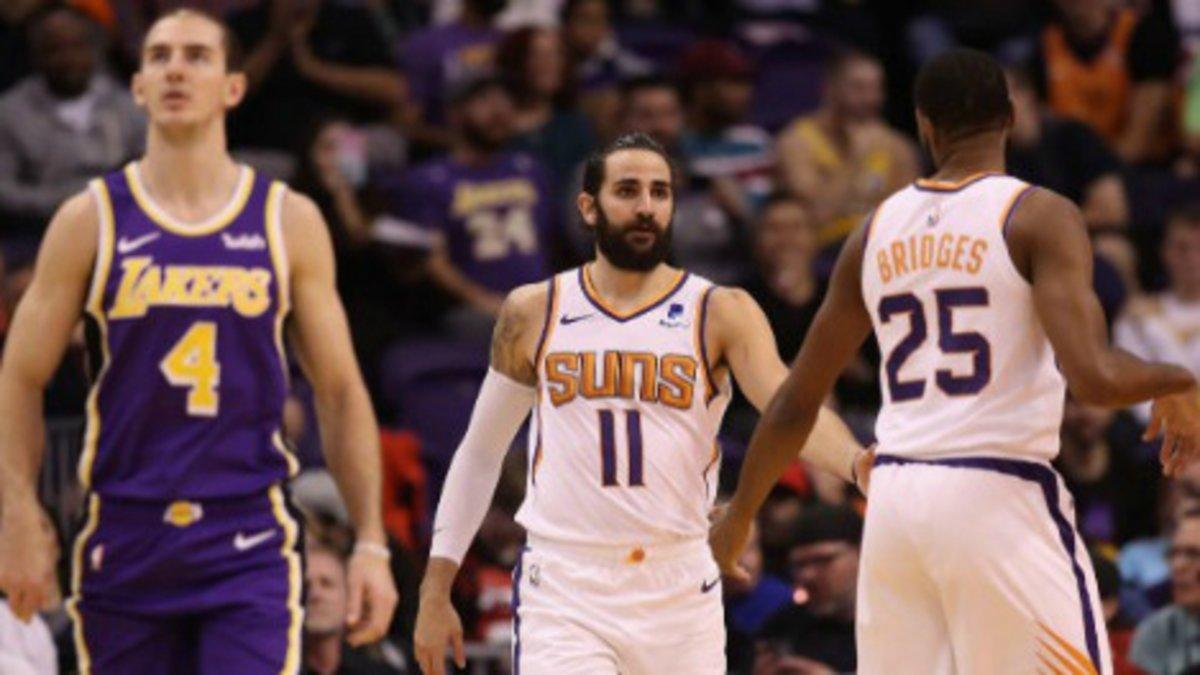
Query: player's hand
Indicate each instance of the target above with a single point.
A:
(727, 538)
(372, 598)
(1177, 419)
(26, 556)
(863, 462)
(438, 625)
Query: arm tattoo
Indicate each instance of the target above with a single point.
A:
(506, 346)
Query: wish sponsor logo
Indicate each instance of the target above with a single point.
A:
(243, 242)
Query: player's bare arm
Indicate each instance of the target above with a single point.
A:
(37, 339)
(504, 401)
(741, 337)
(349, 434)
(1049, 246)
(838, 331)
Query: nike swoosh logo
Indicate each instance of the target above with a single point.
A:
(568, 320)
(130, 245)
(706, 586)
(244, 543)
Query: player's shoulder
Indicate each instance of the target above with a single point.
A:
(1040, 210)
(526, 304)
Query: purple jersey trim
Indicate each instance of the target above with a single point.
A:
(598, 303)
(1012, 207)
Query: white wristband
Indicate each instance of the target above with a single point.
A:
(373, 549)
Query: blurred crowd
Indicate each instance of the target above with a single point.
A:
(443, 141)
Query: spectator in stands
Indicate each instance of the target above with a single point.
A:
(309, 58)
(1120, 628)
(1166, 326)
(326, 594)
(1067, 156)
(62, 125)
(1064, 155)
(844, 159)
(786, 284)
(1113, 491)
(532, 63)
(435, 58)
(1166, 642)
(334, 171)
(720, 146)
(816, 634)
(600, 64)
(491, 208)
(14, 50)
(1111, 68)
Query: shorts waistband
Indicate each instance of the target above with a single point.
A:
(184, 512)
(632, 554)
(1021, 468)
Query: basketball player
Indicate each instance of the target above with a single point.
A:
(626, 364)
(978, 287)
(188, 267)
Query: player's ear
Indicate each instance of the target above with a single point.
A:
(587, 208)
(235, 88)
(137, 88)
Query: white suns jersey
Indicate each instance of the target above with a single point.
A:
(966, 367)
(623, 435)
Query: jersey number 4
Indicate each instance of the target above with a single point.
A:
(949, 341)
(192, 363)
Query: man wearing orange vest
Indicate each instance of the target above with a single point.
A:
(1112, 68)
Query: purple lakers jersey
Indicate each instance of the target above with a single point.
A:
(496, 220)
(185, 326)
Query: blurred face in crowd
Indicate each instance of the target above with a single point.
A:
(828, 572)
(1181, 255)
(183, 79)
(587, 26)
(787, 236)
(655, 111)
(1184, 557)
(486, 119)
(65, 52)
(725, 101)
(633, 213)
(1084, 425)
(325, 589)
(545, 62)
(856, 90)
(1085, 18)
(1026, 116)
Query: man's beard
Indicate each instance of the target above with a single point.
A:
(624, 255)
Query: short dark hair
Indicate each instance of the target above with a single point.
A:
(963, 92)
(593, 170)
(1186, 216)
(841, 56)
(34, 22)
(825, 523)
(638, 83)
(234, 55)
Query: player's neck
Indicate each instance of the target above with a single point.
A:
(627, 287)
(970, 157)
(469, 155)
(323, 653)
(188, 170)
